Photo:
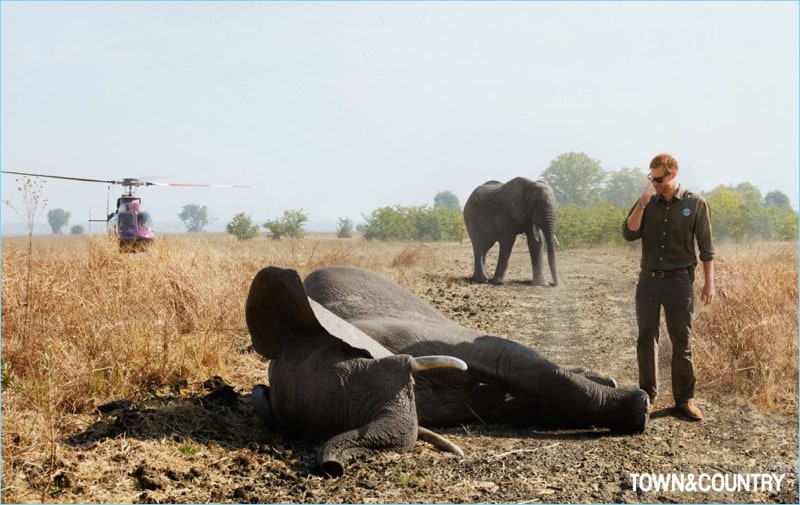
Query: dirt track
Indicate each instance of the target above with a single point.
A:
(133, 453)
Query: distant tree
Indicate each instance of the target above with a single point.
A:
(777, 199)
(290, 225)
(447, 200)
(194, 217)
(751, 195)
(575, 179)
(624, 186)
(57, 219)
(77, 230)
(345, 229)
(730, 216)
(242, 227)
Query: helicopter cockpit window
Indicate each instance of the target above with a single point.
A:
(145, 221)
(126, 221)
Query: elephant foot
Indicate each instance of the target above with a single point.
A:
(479, 279)
(497, 282)
(595, 377)
(632, 412)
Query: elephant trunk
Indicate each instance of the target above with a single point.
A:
(549, 232)
(550, 240)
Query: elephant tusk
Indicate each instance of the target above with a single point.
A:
(439, 441)
(431, 362)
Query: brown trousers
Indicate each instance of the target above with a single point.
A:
(676, 294)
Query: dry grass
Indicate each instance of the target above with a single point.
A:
(750, 332)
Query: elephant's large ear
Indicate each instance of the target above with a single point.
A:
(279, 313)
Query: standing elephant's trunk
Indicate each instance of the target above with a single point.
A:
(538, 239)
(550, 241)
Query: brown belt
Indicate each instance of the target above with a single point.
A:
(660, 274)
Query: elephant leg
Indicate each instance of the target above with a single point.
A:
(502, 261)
(479, 250)
(595, 377)
(541, 392)
(563, 399)
(536, 250)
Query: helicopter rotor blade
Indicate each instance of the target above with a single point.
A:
(82, 179)
(191, 185)
(131, 182)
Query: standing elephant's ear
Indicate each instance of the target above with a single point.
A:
(279, 313)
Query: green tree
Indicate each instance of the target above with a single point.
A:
(194, 217)
(575, 179)
(446, 199)
(290, 225)
(751, 195)
(57, 219)
(730, 218)
(77, 230)
(624, 186)
(345, 228)
(242, 227)
(777, 199)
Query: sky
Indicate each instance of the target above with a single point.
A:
(340, 108)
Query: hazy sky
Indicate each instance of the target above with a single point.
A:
(342, 108)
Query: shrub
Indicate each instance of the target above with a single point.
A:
(415, 223)
(242, 227)
(577, 226)
(290, 225)
(345, 228)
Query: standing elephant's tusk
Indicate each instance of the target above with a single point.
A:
(431, 362)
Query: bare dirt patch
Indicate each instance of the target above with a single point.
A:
(200, 442)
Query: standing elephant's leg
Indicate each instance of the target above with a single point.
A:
(479, 250)
(536, 250)
(502, 261)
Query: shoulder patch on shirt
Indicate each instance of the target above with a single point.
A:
(687, 212)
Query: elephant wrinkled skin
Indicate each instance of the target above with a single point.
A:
(497, 212)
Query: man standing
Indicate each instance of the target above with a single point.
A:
(669, 218)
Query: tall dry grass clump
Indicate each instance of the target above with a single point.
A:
(748, 336)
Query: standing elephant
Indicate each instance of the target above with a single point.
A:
(497, 212)
(328, 380)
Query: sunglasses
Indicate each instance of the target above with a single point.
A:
(657, 179)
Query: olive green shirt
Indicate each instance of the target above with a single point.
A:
(669, 230)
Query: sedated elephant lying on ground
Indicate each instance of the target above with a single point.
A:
(504, 381)
(351, 392)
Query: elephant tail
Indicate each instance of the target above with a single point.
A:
(439, 441)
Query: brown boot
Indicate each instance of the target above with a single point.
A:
(690, 410)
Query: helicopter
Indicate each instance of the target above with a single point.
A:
(130, 223)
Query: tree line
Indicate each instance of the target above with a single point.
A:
(592, 204)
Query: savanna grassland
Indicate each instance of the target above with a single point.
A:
(127, 377)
